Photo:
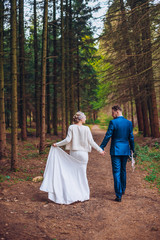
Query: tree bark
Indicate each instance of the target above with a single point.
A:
(43, 77)
(2, 105)
(37, 84)
(63, 74)
(22, 71)
(48, 108)
(141, 106)
(148, 70)
(14, 86)
(67, 64)
(78, 78)
(124, 110)
(72, 106)
(132, 68)
(132, 115)
(55, 116)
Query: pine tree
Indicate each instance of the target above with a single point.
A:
(22, 71)
(14, 86)
(43, 77)
(148, 69)
(48, 108)
(2, 105)
(55, 117)
(71, 62)
(67, 85)
(63, 95)
(37, 83)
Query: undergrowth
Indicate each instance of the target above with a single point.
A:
(149, 160)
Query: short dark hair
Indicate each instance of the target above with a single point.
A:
(116, 108)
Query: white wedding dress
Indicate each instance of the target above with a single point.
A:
(65, 177)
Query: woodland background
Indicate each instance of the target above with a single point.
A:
(51, 66)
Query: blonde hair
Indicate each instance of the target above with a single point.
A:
(78, 116)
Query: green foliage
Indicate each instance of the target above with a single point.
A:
(29, 146)
(31, 130)
(157, 145)
(43, 153)
(15, 179)
(28, 178)
(149, 159)
(104, 120)
(3, 178)
(103, 88)
(88, 75)
(32, 155)
(92, 121)
(20, 179)
(8, 177)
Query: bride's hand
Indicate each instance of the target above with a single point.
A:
(54, 145)
(103, 153)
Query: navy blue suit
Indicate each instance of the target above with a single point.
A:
(120, 131)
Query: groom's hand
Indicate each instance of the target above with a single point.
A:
(103, 153)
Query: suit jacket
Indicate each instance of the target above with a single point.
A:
(120, 131)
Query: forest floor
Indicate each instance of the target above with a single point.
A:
(26, 213)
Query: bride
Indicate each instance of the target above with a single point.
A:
(65, 177)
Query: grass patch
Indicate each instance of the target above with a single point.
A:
(29, 146)
(32, 155)
(149, 159)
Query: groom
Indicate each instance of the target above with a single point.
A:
(120, 131)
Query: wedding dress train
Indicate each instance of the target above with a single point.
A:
(65, 177)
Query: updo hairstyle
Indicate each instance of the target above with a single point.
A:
(78, 116)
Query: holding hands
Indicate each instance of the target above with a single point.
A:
(103, 153)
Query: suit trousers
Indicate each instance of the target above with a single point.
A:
(119, 174)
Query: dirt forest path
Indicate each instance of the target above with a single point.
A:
(25, 212)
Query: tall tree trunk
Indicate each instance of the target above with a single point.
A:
(7, 113)
(55, 116)
(132, 68)
(14, 86)
(2, 105)
(67, 64)
(48, 109)
(37, 83)
(72, 108)
(63, 74)
(124, 110)
(141, 106)
(132, 115)
(136, 19)
(22, 71)
(29, 115)
(78, 78)
(43, 76)
(149, 79)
